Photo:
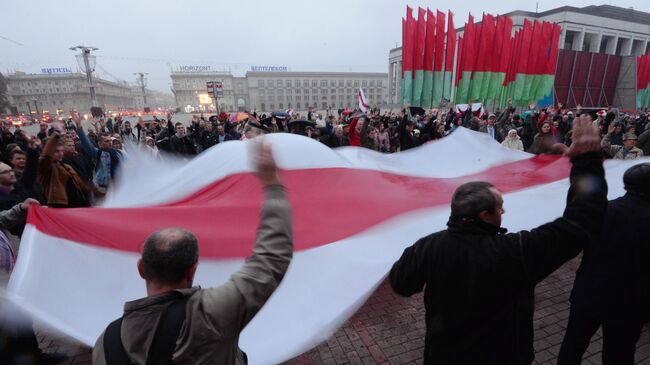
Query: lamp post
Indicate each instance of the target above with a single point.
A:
(142, 81)
(87, 62)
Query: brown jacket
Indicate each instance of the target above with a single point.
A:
(215, 316)
(618, 152)
(53, 176)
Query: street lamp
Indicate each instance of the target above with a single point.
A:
(87, 63)
(142, 81)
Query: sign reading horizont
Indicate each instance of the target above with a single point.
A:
(56, 70)
(194, 68)
(269, 68)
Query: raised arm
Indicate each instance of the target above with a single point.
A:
(546, 248)
(606, 143)
(83, 138)
(250, 287)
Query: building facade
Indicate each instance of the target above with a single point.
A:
(270, 91)
(590, 35)
(190, 88)
(155, 99)
(280, 90)
(40, 93)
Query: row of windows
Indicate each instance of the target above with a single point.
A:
(300, 106)
(315, 91)
(315, 97)
(315, 83)
(49, 83)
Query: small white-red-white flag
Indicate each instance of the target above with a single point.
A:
(362, 101)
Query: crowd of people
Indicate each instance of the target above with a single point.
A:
(69, 165)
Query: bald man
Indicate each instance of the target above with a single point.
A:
(194, 325)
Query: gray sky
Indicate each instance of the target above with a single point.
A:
(150, 35)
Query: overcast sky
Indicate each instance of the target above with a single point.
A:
(152, 35)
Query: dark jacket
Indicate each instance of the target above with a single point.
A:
(182, 145)
(613, 281)
(334, 141)
(406, 139)
(644, 142)
(479, 295)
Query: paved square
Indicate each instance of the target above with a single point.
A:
(389, 329)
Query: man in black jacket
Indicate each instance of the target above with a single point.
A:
(480, 282)
(182, 143)
(612, 286)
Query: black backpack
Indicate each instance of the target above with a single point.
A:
(164, 340)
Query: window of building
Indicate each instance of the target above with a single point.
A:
(298, 98)
(262, 92)
(263, 106)
(348, 83)
(298, 105)
(323, 83)
(324, 97)
(305, 83)
(332, 91)
(289, 97)
(281, 106)
(372, 82)
(289, 91)
(261, 83)
(269, 83)
(379, 82)
(279, 83)
(323, 91)
(356, 83)
(314, 83)
(364, 83)
(306, 91)
(272, 106)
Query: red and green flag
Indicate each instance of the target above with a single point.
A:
(438, 64)
(429, 52)
(408, 44)
(449, 56)
(643, 81)
(501, 61)
(467, 62)
(418, 58)
(482, 73)
(521, 72)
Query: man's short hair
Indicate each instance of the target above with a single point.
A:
(637, 179)
(14, 153)
(472, 198)
(178, 124)
(168, 254)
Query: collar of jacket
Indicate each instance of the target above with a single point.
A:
(474, 226)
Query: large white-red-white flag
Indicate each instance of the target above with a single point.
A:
(354, 212)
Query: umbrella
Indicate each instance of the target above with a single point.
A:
(416, 110)
(303, 123)
(239, 117)
(280, 115)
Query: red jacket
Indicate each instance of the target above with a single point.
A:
(355, 139)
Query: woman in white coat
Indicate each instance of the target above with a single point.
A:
(513, 141)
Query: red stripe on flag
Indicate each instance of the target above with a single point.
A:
(329, 204)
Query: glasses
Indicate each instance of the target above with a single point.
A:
(6, 172)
